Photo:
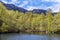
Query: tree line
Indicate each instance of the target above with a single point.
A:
(14, 21)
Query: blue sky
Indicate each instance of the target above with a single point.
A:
(36, 4)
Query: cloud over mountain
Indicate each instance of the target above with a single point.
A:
(36, 4)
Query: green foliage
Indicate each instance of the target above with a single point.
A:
(14, 21)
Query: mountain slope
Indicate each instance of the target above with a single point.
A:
(13, 7)
(39, 11)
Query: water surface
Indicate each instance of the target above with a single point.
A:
(16, 36)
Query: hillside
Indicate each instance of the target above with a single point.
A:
(15, 21)
(15, 8)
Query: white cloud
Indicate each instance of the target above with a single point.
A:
(4, 1)
(23, 3)
(50, 0)
(13, 1)
(36, 7)
(55, 7)
(31, 7)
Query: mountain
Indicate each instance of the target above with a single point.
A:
(13, 7)
(39, 11)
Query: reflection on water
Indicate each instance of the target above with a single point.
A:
(15, 36)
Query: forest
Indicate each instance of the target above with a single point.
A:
(14, 21)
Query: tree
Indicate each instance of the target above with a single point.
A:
(49, 19)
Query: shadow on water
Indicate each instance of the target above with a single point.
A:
(28, 36)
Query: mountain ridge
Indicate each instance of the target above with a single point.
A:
(13, 7)
(20, 9)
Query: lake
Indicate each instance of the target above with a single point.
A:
(25, 36)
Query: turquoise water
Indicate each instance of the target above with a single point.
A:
(15, 36)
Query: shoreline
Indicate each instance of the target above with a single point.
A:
(26, 31)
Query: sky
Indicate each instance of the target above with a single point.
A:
(36, 4)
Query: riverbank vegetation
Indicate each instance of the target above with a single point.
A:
(14, 21)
